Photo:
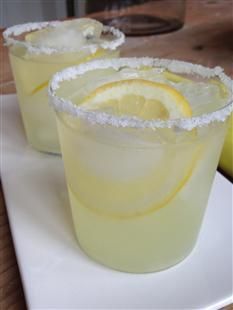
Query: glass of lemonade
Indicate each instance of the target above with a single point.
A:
(37, 51)
(140, 140)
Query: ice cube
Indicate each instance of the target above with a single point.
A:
(204, 97)
(89, 28)
(71, 34)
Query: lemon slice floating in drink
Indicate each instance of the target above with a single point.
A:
(141, 98)
(152, 177)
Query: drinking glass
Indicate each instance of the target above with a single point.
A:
(33, 66)
(135, 17)
(139, 186)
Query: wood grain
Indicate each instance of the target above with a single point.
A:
(206, 38)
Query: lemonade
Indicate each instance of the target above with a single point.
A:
(37, 51)
(140, 144)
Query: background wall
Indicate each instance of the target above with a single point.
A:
(20, 11)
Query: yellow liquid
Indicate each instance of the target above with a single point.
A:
(138, 196)
(138, 209)
(32, 74)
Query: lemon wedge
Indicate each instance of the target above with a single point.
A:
(141, 98)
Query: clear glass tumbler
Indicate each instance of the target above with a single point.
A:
(36, 54)
(135, 17)
(138, 182)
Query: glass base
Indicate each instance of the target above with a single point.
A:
(130, 269)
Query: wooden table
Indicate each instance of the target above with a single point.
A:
(206, 39)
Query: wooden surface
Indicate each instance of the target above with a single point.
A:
(206, 39)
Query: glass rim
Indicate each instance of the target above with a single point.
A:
(103, 118)
(16, 30)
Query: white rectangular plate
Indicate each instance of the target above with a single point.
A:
(56, 274)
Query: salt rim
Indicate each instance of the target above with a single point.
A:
(22, 28)
(103, 118)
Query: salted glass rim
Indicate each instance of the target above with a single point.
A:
(16, 30)
(102, 118)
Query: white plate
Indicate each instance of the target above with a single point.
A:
(56, 274)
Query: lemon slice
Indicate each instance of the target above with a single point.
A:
(222, 88)
(119, 198)
(175, 78)
(129, 181)
(98, 54)
(226, 159)
(137, 97)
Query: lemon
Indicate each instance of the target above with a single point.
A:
(39, 87)
(226, 159)
(133, 182)
(137, 97)
(75, 61)
(140, 195)
(222, 88)
(175, 78)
